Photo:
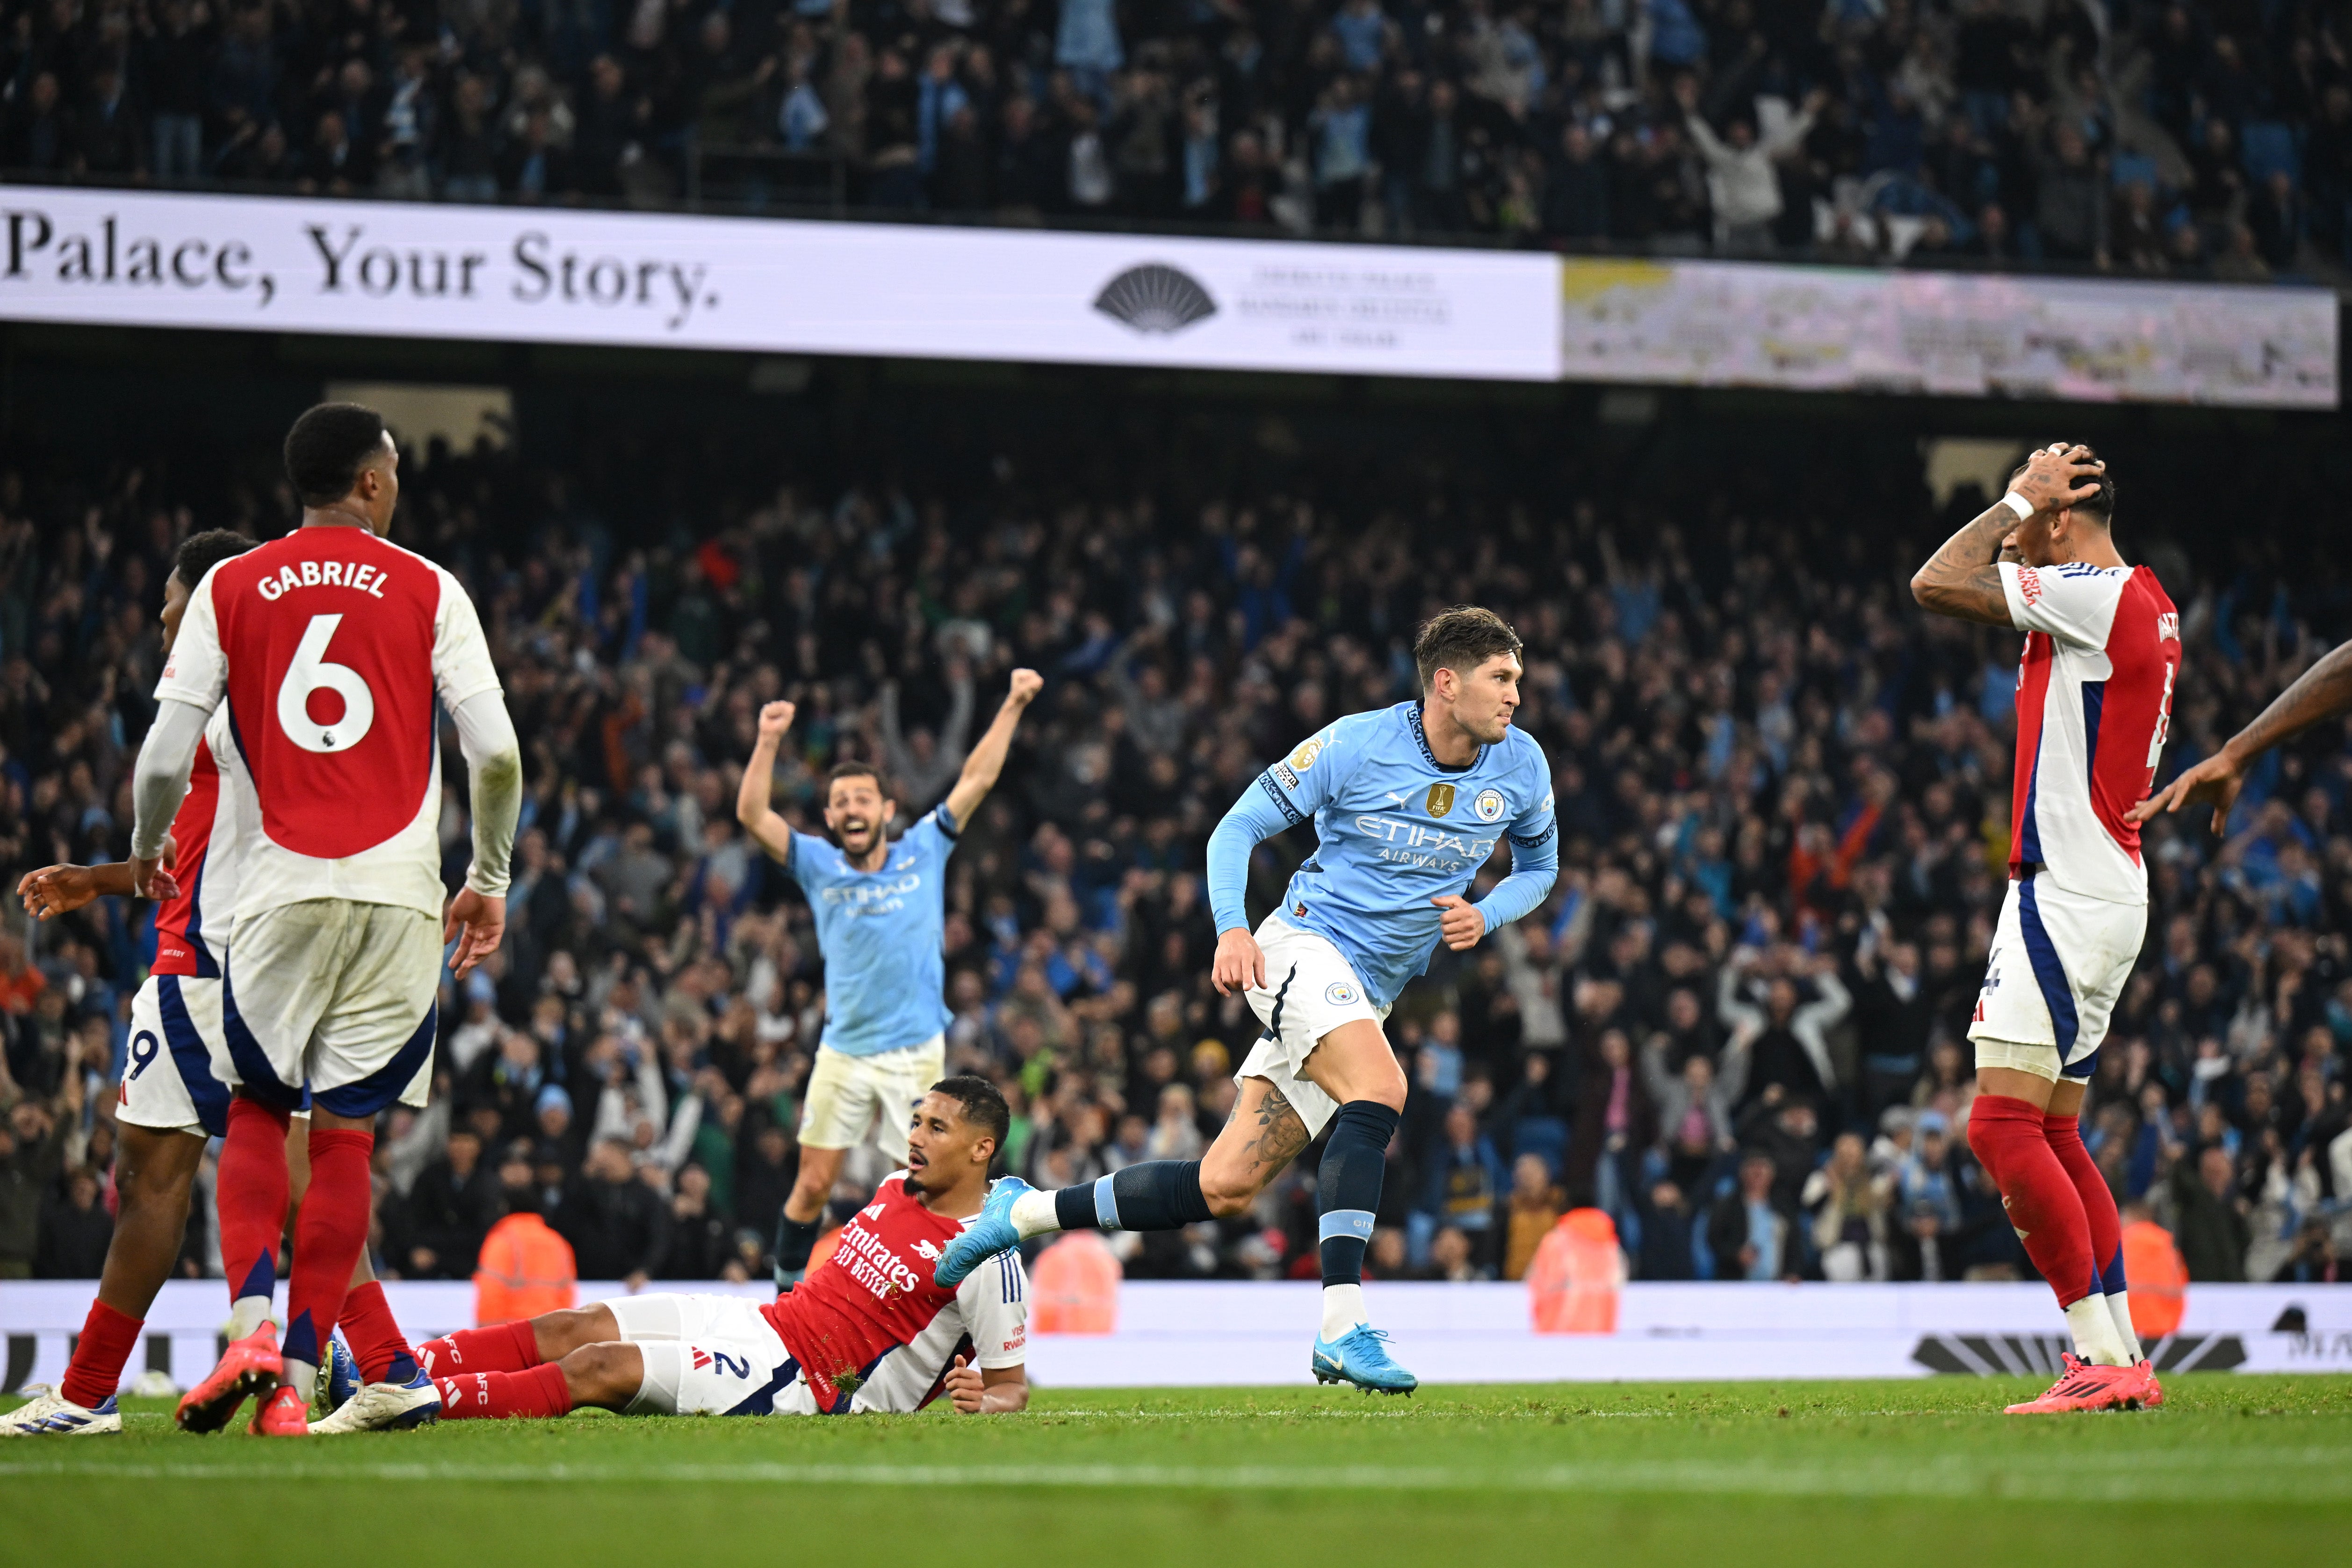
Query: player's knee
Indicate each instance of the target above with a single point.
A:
(607, 1373)
(1227, 1193)
(1984, 1143)
(561, 1333)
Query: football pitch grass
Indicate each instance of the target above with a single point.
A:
(2235, 1470)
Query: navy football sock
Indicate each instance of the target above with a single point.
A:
(1156, 1195)
(1347, 1186)
(796, 1239)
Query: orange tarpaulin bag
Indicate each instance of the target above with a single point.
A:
(2158, 1280)
(1577, 1275)
(824, 1248)
(525, 1269)
(1074, 1289)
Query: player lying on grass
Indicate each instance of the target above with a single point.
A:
(1410, 802)
(867, 1330)
(174, 1099)
(2094, 701)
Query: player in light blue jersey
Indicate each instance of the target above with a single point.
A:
(880, 909)
(1408, 802)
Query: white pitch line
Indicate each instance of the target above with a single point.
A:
(2319, 1476)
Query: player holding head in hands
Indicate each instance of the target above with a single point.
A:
(881, 913)
(329, 648)
(2094, 701)
(1408, 802)
(867, 1330)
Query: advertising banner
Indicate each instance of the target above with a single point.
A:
(778, 286)
(538, 274)
(1223, 1333)
(1818, 328)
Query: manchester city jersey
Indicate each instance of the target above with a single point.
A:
(883, 936)
(1399, 828)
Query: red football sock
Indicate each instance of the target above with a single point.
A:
(105, 1344)
(2065, 1135)
(501, 1348)
(2043, 1208)
(328, 1235)
(377, 1343)
(251, 1194)
(499, 1395)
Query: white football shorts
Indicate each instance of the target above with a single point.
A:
(709, 1356)
(1310, 991)
(2057, 968)
(847, 1094)
(336, 991)
(175, 1078)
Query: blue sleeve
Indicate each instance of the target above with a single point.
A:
(1258, 816)
(1284, 796)
(1534, 838)
(806, 866)
(934, 834)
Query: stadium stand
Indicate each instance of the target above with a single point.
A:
(1739, 1025)
(2158, 137)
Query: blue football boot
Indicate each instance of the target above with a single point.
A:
(342, 1379)
(984, 1238)
(1361, 1356)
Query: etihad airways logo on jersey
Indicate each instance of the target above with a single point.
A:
(873, 897)
(1412, 844)
(324, 574)
(871, 1263)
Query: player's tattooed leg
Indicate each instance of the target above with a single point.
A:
(1274, 1136)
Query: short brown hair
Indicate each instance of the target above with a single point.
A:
(1461, 639)
(856, 769)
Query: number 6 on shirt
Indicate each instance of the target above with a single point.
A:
(309, 672)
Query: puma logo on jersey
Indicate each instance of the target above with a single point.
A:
(324, 574)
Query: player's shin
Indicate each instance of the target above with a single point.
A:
(1155, 1195)
(377, 1343)
(328, 1239)
(105, 1344)
(796, 1239)
(542, 1392)
(2007, 1136)
(1347, 1195)
(252, 1190)
(501, 1347)
(2065, 1135)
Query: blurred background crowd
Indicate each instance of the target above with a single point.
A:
(1738, 1025)
(2141, 136)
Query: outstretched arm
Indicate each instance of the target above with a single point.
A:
(987, 759)
(2321, 691)
(56, 890)
(772, 832)
(1963, 579)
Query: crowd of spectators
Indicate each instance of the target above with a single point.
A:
(2144, 136)
(1738, 1025)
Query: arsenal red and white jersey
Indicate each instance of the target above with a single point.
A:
(192, 925)
(870, 1329)
(2093, 705)
(330, 646)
